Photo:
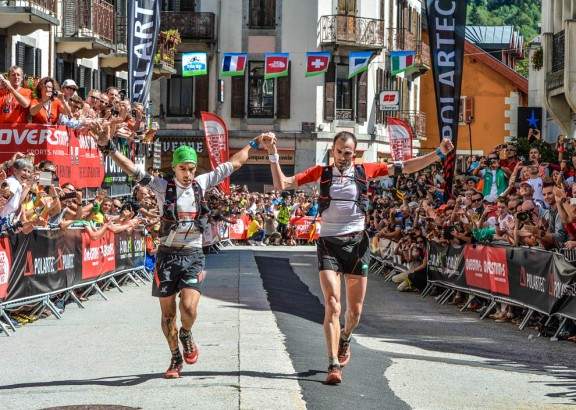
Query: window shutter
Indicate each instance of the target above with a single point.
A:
(283, 96)
(20, 53)
(59, 70)
(329, 92)
(201, 94)
(80, 77)
(362, 108)
(38, 62)
(237, 100)
(379, 89)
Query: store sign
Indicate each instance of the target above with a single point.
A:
(260, 157)
(390, 100)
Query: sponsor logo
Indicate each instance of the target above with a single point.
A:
(4, 268)
(277, 64)
(15, 136)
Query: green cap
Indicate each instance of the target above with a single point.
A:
(184, 153)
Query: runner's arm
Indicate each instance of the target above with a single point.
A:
(416, 164)
(281, 181)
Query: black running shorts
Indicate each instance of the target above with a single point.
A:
(344, 254)
(177, 269)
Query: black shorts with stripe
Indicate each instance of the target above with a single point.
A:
(345, 254)
(176, 269)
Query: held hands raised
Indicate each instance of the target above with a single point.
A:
(269, 142)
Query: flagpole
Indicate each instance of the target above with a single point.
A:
(470, 119)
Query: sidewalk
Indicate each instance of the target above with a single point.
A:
(113, 352)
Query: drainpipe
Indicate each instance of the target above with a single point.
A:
(217, 58)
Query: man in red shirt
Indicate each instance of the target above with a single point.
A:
(508, 163)
(14, 100)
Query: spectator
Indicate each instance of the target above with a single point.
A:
(555, 235)
(152, 244)
(50, 103)
(255, 232)
(15, 100)
(495, 180)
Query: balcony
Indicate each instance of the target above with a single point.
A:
(352, 31)
(118, 60)
(88, 28)
(164, 59)
(400, 39)
(26, 16)
(416, 120)
(194, 27)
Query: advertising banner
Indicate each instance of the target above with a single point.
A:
(143, 30)
(98, 256)
(5, 267)
(217, 143)
(446, 28)
(400, 135)
(75, 154)
(446, 264)
(307, 227)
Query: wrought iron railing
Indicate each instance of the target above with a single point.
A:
(401, 39)
(351, 29)
(344, 114)
(48, 5)
(558, 44)
(88, 18)
(191, 25)
(422, 54)
(416, 120)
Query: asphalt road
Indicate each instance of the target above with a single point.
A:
(259, 332)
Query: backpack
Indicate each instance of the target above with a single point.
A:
(170, 215)
(361, 186)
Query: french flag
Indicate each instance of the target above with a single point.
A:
(233, 64)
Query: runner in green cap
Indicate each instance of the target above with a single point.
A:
(180, 260)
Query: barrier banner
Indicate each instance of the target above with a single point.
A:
(223, 230)
(239, 229)
(486, 268)
(75, 154)
(5, 267)
(130, 249)
(98, 256)
(446, 264)
(305, 226)
(211, 234)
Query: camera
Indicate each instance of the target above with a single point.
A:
(122, 94)
(523, 216)
(4, 185)
(133, 113)
(527, 162)
(114, 112)
(68, 195)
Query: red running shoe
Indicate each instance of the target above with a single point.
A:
(343, 352)
(190, 350)
(334, 374)
(173, 371)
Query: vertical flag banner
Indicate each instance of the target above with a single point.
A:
(401, 61)
(358, 62)
(316, 63)
(217, 143)
(142, 45)
(276, 65)
(447, 52)
(194, 64)
(400, 135)
(233, 64)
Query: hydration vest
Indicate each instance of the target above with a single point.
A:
(170, 221)
(324, 197)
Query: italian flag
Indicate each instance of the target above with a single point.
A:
(401, 61)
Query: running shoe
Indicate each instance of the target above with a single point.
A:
(173, 371)
(334, 374)
(343, 352)
(190, 349)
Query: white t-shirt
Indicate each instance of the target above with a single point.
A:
(12, 205)
(537, 185)
(187, 234)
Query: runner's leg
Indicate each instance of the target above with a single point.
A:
(189, 299)
(355, 293)
(169, 327)
(330, 283)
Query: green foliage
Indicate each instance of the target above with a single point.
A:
(546, 151)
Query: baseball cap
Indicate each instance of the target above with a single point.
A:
(70, 83)
(184, 153)
(525, 183)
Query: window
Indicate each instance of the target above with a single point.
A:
(178, 5)
(180, 92)
(260, 92)
(263, 14)
(344, 94)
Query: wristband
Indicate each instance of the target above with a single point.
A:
(253, 145)
(439, 153)
(274, 158)
(562, 200)
(108, 148)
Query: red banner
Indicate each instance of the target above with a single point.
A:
(307, 227)
(400, 136)
(239, 230)
(75, 154)
(5, 267)
(98, 257)
(217, 143)
(486, 268)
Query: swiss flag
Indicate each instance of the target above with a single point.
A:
(276, 65)
(316, 63)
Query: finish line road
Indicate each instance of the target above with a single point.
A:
(259, 331)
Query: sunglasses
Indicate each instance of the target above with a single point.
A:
(476, 199)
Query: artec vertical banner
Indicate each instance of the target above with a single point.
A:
(143, 30)
(446, 28)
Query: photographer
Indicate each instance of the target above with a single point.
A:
(15, 100)
(495, 180)
(50, 103)
(556, 234)
(12, 189)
